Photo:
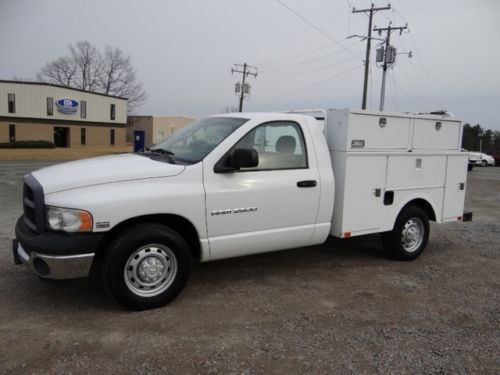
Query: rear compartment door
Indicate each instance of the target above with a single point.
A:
(454, 195)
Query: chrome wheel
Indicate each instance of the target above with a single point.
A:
(412, 234)
(150, 270)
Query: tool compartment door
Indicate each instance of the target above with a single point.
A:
(362, 207)
(378, 132)
(436, 135)
(454, 196)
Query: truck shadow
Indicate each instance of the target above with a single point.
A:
(334, 255)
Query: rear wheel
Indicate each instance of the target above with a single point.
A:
(410, 234)
(147, 266)
(484, 163)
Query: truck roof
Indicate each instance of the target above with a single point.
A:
(321, 113)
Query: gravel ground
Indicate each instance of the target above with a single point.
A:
(337, 308)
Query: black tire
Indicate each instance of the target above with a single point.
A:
(150, 242)
(409, 218)
(484, 163)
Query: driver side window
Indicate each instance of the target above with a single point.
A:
(280, 145)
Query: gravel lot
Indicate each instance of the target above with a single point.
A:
(337, 308)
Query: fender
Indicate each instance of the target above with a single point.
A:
(422, 197)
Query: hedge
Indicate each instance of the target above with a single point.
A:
(28, 144)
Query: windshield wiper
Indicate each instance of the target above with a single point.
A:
(162, 151)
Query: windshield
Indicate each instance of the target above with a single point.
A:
(192, 143)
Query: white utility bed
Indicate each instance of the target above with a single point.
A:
(382, 161)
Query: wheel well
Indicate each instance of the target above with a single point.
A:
(424, 205)
(178, 223)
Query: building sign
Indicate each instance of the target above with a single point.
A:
(67, 106)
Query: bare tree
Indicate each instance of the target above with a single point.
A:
(87, 68)
(88, 61)
(119, 77)
(60, 72)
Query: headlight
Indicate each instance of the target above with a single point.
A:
(69, 220)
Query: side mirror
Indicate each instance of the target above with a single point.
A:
(239, 158)
(244, 158)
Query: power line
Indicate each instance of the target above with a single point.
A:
(406, 94)
(425, 100)
(423, 66)
(296, 56)
(309, 71)
(427, 90)
(316, 27)
(392, 88)
(310, 86)
(310, 60)
(419, 57)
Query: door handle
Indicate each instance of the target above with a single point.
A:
(307, 183)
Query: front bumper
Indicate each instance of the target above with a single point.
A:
(55, 255)
(54, 267)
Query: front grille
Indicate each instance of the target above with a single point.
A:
(33, 204)
(29, 207)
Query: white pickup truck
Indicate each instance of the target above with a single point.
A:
(238, 184)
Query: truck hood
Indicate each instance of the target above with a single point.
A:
(102, 170)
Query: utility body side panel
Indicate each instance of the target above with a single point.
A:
(382, 161)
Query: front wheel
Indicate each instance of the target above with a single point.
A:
(146, 267)
(410, 234)
(484, 163)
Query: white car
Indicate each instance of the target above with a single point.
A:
(487, 160)
(480, 159)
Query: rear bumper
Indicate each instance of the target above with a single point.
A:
(54, 267)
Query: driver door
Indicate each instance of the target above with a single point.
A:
(269, 207)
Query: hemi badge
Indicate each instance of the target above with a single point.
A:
(102, 224)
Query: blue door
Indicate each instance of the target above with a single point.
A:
(139, 137)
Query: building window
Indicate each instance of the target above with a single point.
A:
(12, 133)
(83, 109)
(50, 106)
(83, 136)
(112, 137)
(12, 103)
(161, 134)
(112, 112)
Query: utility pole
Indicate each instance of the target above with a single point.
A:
(389, 55)
(371, 11)
(244, 88)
